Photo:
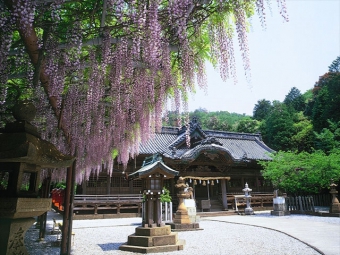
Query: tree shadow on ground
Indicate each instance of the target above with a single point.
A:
(110, 246)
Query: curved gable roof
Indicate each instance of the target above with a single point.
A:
(240, 146)
(195, 131)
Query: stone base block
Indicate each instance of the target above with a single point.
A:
(184, 227)
(182, 221)
(156, 231)
(280, 213)
(194, 218)
(149, 241)
(334, 208)
(167, 248)
(146, 240)
(12, 233)
(248, 211)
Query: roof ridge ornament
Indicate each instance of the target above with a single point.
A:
(211, 140)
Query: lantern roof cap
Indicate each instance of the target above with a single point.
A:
(21, 142)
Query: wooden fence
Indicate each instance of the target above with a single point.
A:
(97, 203)
(300, 204)
(322, 199)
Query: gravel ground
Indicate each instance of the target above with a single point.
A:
(106, 235)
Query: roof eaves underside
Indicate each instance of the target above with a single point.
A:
(193, 154)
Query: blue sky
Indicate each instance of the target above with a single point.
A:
(285, 55)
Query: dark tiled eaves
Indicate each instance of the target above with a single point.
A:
(159, 143)
(248, 149)
(234, 135)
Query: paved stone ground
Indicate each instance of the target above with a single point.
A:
(220, 236)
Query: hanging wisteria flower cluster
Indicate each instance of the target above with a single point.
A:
(106, 69)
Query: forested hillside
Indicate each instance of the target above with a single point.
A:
(221, 120)
(302, 122)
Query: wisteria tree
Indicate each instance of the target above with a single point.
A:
(101, 72)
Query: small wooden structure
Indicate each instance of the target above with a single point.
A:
(153, 173)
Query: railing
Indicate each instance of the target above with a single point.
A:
(166, 211)
(107, 202)
(257, 199)
(118, 197)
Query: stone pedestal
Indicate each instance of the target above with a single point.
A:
(279, 207)
(191, 208)
(12, 235)
(248, 211)
(181, 221)
(152, 240)
(335, 208)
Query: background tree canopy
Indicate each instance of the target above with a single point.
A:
(305, 129)
(298, 173)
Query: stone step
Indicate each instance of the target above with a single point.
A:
(167, 248)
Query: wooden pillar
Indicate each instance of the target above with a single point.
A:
(224, 194)
(131, 187)
(65, 248)
(45, 191)
(108, 184)
(158, 211)
(150, 211)
(67, 198)
(84, 185)
(172, 187)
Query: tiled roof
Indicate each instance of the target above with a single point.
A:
(240, 146)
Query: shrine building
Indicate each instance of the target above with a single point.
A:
(216, 163)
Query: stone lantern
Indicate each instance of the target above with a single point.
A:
(153, 235)
(248, 210)
(335, 206)
(22, 155)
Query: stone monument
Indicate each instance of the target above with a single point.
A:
(335, 206)
(279, 204)
(248, 210)
(181, 221)
(22, 155)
